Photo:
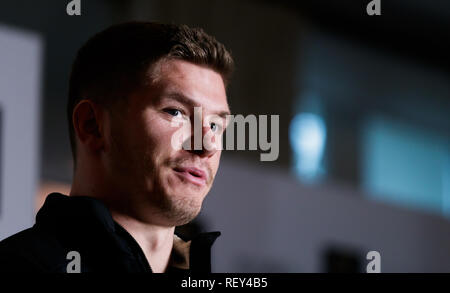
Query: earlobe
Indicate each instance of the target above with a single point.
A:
(86, 120)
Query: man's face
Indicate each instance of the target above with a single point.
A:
(162, 183)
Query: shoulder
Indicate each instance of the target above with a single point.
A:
(12, 256)
(25, 251)
(16, 241)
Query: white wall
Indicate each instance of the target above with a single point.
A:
(20, 88)
(271, 223)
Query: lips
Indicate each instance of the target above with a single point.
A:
(192, 174)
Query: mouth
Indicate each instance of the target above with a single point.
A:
(191, 174)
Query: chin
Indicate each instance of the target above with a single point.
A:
(181, 207)
(178, 217)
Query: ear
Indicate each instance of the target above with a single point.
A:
(87, 119)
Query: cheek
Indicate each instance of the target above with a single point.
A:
(215, 160)
(157, 134)
(160, 132)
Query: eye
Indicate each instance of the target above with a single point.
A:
(215, 127)
(173, 112)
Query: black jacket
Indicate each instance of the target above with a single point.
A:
(85, 225)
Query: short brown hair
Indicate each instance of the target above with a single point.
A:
(113, 62)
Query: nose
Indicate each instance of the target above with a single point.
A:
(207, 142)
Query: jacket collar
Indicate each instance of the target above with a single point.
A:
(87, 215)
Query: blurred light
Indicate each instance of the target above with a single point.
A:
(446, 185)
(307, 134)
(405, 164)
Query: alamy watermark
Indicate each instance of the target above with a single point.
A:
(236, 135)
(73, 8)
(74, 266)
(374, 265)
(374, 7)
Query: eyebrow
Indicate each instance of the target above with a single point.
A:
(188, 101)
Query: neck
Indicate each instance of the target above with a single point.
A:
(156, 241)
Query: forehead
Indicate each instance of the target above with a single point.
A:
(204, 86)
